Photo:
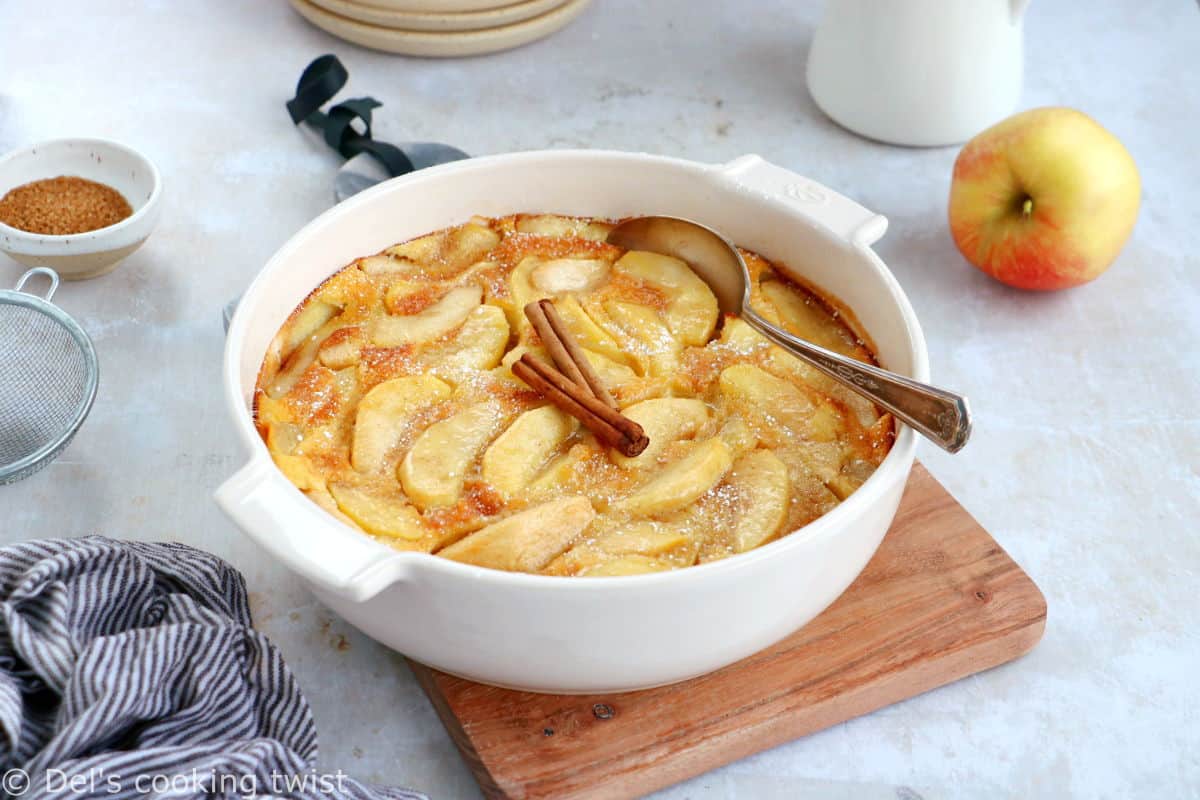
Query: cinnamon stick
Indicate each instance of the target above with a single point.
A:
(555, 346)
(609, 426)
(567, 355)
(576, 354)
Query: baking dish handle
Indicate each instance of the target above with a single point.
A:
(839, 214)
(297, 532)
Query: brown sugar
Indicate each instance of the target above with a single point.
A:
(63, 205)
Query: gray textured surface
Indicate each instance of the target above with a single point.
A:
(1084, 460)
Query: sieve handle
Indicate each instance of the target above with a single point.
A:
(49, 273)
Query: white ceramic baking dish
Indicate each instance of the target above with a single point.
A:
(577, 634)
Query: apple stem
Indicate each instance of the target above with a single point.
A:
(1027, 207)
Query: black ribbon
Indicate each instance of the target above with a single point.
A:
(320, 81)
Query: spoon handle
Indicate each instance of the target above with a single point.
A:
(939, 415)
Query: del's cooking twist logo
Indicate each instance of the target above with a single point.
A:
(99, 781)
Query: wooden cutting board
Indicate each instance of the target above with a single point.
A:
(939, 601)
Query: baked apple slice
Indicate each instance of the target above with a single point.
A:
(739, 337)
(283, 437)
(377, 513)
(681, 483)
(342, 348)
(292, 368)
(612, 373)
(854, 473)
(512, 461)
(384, 265)
(537, 277)
(691, 311)
(777, 399)
(521, 291)
(627, 565)
(437, 320)
(738, 435)
(564, 227)
(649, 538)
(526, 541)
(655, 346)
(433, 470)
(382, 414)
(665, 420)
(562, 472)
(806, 317)
(306, 322)
(760, 481)
(643, 538)
(561, 275)
(504, 371)
(325, 500)
(587, 334)
(478, 345)
(781, 362)
(445, 253)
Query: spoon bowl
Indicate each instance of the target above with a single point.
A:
(942, 416)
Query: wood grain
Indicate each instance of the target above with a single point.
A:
(939, 601)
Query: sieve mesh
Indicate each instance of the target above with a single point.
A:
(48, 382)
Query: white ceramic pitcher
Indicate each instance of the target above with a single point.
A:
(917, 72)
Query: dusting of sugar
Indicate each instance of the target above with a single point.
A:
(423, 270)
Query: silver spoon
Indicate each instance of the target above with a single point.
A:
(940, 415)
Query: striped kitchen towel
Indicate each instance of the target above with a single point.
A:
(130, 669)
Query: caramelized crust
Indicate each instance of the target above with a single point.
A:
(394, 359)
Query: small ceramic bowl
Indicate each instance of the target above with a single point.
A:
(83, 255)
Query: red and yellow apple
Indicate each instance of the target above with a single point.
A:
(1044, 199)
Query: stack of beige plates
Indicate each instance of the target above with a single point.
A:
(441, 28)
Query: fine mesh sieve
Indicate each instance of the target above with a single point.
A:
(48, 378)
